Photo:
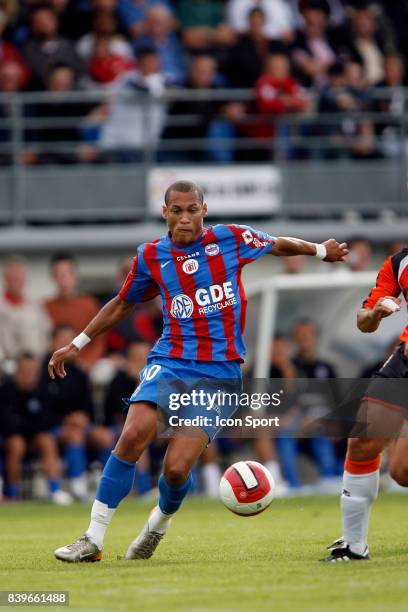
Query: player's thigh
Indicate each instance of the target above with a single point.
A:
(182, 453)
(377, 420)
(139, 430)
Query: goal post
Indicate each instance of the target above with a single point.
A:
(270, 289)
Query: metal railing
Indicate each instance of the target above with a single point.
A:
(53, 150)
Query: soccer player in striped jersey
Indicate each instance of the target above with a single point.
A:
(197, 272)
(383, 412)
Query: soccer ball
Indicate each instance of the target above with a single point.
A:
(247, 488)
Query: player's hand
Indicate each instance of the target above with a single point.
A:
(406, 349)
(335, 251)
(380, 311)
(56, 365)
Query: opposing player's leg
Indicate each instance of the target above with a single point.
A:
(398, 467)
(174, 483)
(361, 478)
(116, 482)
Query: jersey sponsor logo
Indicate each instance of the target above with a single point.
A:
(247, 237)
(212, 249)
(163, 265)
(184, 257)
(213, 299)
(190, 266)
(216, 297)
(182, 306)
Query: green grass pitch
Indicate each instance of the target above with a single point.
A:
(211, 559)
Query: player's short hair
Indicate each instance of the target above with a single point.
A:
(184, 187)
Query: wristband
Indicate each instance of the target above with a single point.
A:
(80, 341)
(321, 251)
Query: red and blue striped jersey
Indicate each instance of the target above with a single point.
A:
(204, 301)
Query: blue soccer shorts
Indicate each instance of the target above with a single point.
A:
(185, 389)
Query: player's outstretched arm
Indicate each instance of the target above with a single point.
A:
(110, 315)
(369, 319)
(330, 250)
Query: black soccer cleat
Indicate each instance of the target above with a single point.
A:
(340, 551)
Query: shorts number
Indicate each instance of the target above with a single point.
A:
(149, 373)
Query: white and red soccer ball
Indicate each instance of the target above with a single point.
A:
(247, 488)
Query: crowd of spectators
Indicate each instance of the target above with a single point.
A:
(299, 57)
(73, 423)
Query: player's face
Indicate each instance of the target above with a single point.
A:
(184, 214)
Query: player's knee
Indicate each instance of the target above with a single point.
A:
(176, 475)
(360, 449)
(399, 473)
(131, 441)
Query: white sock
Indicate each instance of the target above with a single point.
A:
(359, 492)
(159, 521)
(211, 474)
(274, 468)
(101, 516)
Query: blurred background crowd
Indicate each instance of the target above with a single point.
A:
(65, 429)
(299, 58)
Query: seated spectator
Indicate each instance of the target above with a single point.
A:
(69, 307)
(59, 144)
(360, 253)
(25, 422)
(105, 436)
(133, 14)
(279, 17)
(367, 46)
(391, 102)
(159, 35)
(334, 8)
(313, 53)
(45, 47)
(106, 67)
(211, 118)
(132, 125)
(105, 27)
(277, 93)
(71, 404)
(308, 365)
(202, 24)
(24, 324)
(9, 53)
(346, 93)
(248, 57)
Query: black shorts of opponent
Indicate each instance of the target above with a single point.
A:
(389, 386)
